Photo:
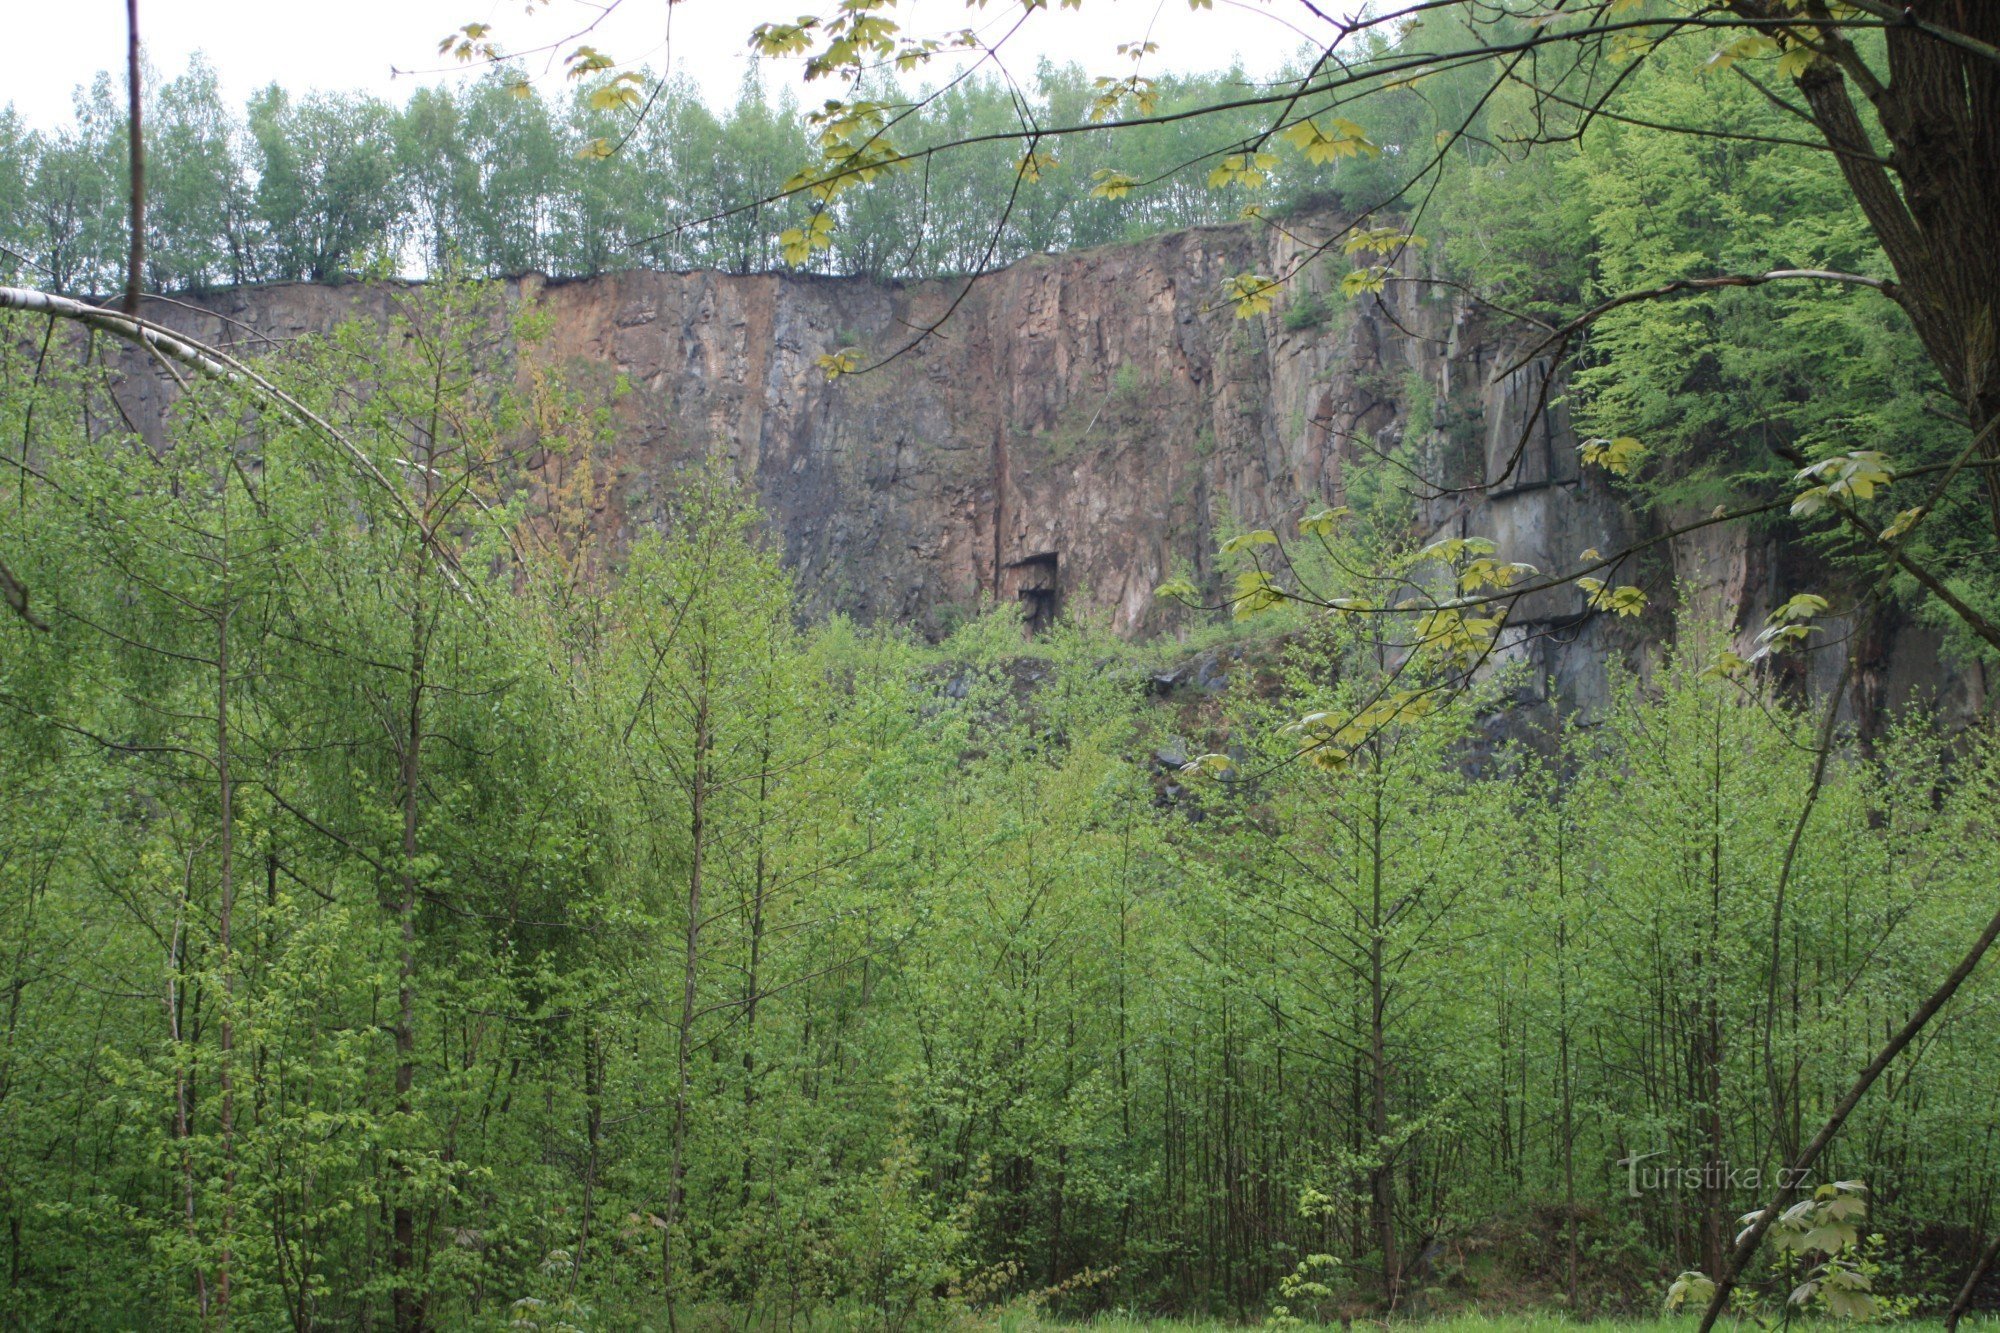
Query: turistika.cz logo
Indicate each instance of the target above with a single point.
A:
(1641, 1179)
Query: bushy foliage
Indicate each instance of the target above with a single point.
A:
(410, 905)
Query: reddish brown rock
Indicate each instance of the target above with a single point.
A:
(1079, 428)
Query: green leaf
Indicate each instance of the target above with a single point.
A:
(1254, 592)
(797, 244)
(844, 362)
(1743, 48)
(1033, 163)
(1904, 521)
(1381, 241)
(1111, 184)
(1330, 142)
(1853, 476)
(1691, 1286)
(1452, 549)
(1248, 170)
(784, 39)
(1251, 292)
(621, 94)
(1618, 456)
(1322, 524)
(1243, 541)
(1802, 606)
(1374, 278)
(1728, 666)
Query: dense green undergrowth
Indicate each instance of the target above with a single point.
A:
(417, 909)
(1018, 1321)
(713, 1320)
(410, 900)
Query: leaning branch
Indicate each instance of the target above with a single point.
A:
(1980, 1268)
(1753, 1235)
(1904, 16)
(142, 332)
(15, 593)
(1560, 339)
(217, 364)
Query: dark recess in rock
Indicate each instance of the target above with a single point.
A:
(1091, 423)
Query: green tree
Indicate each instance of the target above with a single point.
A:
(198, 205)
(325, 172)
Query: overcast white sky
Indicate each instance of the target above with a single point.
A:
(55, 45)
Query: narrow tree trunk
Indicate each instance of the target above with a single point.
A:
(1564, 1060)
(409, 1306)
(176, 972)
(753, 979)
(1708, 1055)
(14, 989)
(135, 142)
(593, 1132)
(1124, 1033)
(1980, 1268)
(225, 1079)
(690, 965)
(1382, 1179)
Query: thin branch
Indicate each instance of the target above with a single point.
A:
(220, 365)
(135, 262)
(16, 593)
(1904, 16)
(1753, 1235)
(1560, 339)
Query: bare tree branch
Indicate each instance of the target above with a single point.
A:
(220, 365)
(1753, 1235)
(136, 143)
(1560, 338)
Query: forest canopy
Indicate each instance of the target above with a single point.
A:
(392, 927)
(322, 186)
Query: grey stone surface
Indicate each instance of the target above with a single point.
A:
(1084, 426)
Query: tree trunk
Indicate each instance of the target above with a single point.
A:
(1382, 1179)
(1933, 205)
(1708, 1046)
(135, 259)
(593, 1131)
(690, 964)
(225, 1079)
(1563, 1057)
(753, 979)
(409, 1307)
(1980, 1268)
(183, 1093)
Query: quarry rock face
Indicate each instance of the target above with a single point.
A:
(1068, 432)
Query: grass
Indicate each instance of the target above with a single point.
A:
(1023, 1318)
(1029, 1322)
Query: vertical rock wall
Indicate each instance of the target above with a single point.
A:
(1080, 427)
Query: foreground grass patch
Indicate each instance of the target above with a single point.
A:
(1030, 1322)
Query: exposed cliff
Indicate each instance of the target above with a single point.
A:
(1083, 425)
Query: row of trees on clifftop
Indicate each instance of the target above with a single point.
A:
(488, 178)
